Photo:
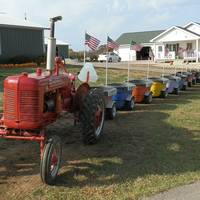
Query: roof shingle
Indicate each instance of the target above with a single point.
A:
(138, 37)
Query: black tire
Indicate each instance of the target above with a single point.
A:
(163, 94)
(176, 91)
(110, 60)
(184, 87)
(130, 105)
(189, 84)
(194, 82)
(47, 174)
(93, 104)
(148, 99)
(111, 112)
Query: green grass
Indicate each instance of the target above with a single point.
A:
(143, 152)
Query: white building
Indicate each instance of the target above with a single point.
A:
(142, 38)
(174, 43)
(178, 43)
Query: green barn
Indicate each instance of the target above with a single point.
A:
(20, 38)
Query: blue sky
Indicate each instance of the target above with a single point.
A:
(99, 18)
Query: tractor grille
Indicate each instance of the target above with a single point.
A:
(9, 104)
(29, 106)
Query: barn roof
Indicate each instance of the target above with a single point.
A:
(138, 37)
(9, 21)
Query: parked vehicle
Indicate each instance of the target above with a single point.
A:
(159, 87)
(110, 105)
(124, 98)
(189, 77)
(111, 57)
(183, 81)
(142, 91)
(172, 84)
(33, 101)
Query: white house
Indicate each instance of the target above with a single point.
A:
(174, 43)
(142, 38)
(178, 43)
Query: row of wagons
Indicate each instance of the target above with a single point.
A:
(124, 96)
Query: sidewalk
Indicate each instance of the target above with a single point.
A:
(187, 192)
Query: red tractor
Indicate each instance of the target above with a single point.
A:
(33, 101)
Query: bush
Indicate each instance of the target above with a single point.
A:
(24, 59)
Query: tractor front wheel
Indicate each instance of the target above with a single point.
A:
(92, 117)
(51, 160)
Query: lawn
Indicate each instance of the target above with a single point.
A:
(143, 152)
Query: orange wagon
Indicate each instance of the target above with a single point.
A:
(141, 92)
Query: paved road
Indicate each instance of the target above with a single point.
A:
(187, 192)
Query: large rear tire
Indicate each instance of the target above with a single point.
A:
(92, 117)
(51, 160)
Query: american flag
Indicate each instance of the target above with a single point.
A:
(136, 47)
(91, 42)
(111, 44)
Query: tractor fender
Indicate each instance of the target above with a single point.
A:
(129, 97)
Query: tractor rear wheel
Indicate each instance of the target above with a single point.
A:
(51, 160)
(92, 116)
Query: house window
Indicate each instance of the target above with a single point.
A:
(160, 48)
(189, 46)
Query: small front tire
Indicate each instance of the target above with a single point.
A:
(51, 160)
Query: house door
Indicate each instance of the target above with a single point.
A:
(143, 54)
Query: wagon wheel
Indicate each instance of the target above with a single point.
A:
(163, 94)
(189, 84)
(176, 91)
(51, 159)
(92, 117)
(130, 105)
(148, 99)
(111, 112)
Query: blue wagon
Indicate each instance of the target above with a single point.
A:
(124, 99)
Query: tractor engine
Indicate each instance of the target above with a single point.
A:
(32, 101)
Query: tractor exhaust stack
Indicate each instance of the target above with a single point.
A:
(51, 48)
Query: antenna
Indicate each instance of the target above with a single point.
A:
(25, 16)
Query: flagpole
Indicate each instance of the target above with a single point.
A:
(128, 66)
(148, 67)
(84, 50)
(107, 61)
